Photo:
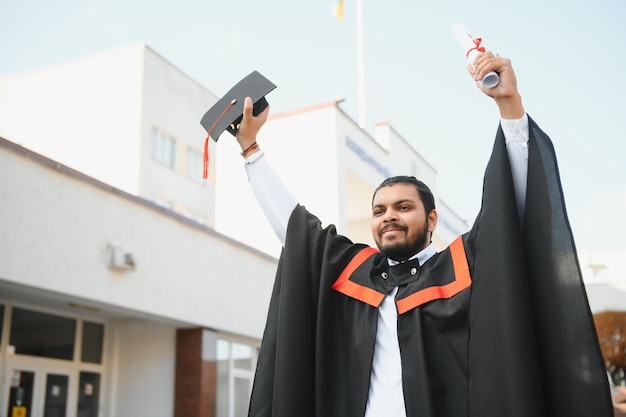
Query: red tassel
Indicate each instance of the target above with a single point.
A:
(205, 171)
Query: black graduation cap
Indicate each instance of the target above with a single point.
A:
(227, 113)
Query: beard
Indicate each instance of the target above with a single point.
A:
(402, 251)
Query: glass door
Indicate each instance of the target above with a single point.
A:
(50, 364)
(88, 394)
(21, 388)
(36, 390)
(55, 403)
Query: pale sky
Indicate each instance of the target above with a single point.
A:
(568, 55)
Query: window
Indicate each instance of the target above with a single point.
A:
(195, 165)
(21, 390)
(236, 363)
(88, 394)
(163, 148)
(67, 359)
(56, 395)
(40, 334)
(93, 339)
(162, 202)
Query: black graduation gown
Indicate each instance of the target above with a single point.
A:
(498, 324)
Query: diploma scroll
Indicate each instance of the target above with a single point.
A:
(471, 47)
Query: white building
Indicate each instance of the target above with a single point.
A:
(171, 325)
(124, 116)
(111, 305)
(128, 285)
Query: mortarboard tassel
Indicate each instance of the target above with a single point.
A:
(205, 170)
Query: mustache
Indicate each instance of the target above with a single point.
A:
(392, 226)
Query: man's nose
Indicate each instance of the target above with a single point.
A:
(390, 216)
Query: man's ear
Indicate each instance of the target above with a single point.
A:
(432, 220)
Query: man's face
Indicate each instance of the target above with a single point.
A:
(400, 225)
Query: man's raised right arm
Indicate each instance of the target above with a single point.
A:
(273, 196)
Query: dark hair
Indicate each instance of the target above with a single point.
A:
(425, 194)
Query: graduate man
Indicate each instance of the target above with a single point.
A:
(497, 324)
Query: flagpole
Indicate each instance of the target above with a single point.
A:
(360, 62)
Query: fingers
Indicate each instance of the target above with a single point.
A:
(250, 124)
(505, 94)
(263, 115)
(247, 107)
(488, 62)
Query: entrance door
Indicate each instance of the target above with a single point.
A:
(37, 389)
(55, 402)
(21, 393)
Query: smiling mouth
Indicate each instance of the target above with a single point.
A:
(392, 228)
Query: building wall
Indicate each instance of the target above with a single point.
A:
(174, 104)
(96, 114)
(56, 227)
(83, 113)
(143, 372)
(56, 232)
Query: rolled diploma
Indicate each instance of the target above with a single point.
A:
(467, 43)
